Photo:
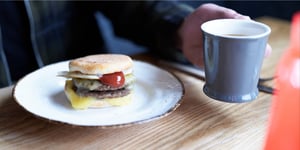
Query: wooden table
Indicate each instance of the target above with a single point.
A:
(199, 122)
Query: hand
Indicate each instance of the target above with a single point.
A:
(191, 35)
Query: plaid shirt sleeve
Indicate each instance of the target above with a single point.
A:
(153, 24)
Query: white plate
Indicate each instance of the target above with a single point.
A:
(157, 93)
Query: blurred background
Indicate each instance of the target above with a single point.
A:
(114, 44)
(254, 9)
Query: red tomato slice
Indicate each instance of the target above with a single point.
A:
(116, 79)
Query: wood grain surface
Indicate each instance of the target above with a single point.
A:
(199, 123)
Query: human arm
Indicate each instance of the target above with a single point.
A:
(153, 24)
(169, 28)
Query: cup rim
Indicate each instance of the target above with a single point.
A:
(267, 29)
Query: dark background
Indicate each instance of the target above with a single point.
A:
(114, 44)
(278, 9)
(254, 9)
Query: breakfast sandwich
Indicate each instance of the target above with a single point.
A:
(97, 81)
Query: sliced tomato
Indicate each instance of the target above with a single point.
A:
(116, 79)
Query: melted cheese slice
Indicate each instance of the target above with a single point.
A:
(119, 101)
(79, 102)
(68, 74)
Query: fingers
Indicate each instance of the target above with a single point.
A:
(229, 13)
(239, 16)
(191, 37)
(217, 11)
